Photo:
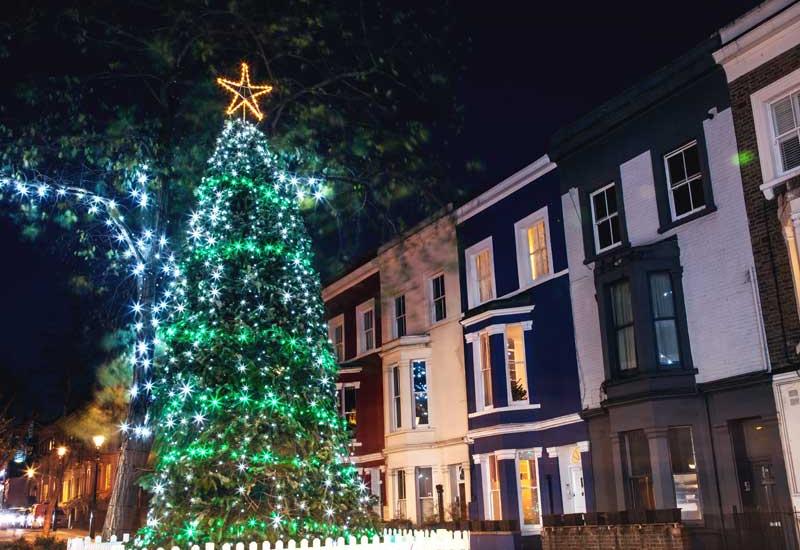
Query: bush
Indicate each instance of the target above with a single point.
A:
(40, 543)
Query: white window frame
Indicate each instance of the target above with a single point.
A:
(687, 181)
(361, 309)
(414, 393)
(526, 279)
(333, 323)
(397, 498)
(395, 317)
(597, 248)
(525, 327)
(489, 503)
(431, 301)
(396, 394)
(477, 366)
(470, 254)
(761, 103)
(340, 390)
(536, 455)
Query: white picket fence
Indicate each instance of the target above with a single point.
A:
(391, 539)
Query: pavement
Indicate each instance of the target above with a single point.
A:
(30, 534)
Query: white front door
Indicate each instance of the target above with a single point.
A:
(577, 489)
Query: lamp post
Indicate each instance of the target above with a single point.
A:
(98, 442)
(61, 452)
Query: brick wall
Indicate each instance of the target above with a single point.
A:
(781, 322)
(656, 536)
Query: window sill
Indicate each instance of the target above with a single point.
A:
(607, 252)
(672, 224)
(492, 410)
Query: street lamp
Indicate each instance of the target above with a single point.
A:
(98, 442)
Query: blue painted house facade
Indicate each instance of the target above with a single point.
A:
(529, 446)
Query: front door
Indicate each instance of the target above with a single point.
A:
(577, 490)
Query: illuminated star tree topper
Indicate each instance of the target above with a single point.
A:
(245, 94)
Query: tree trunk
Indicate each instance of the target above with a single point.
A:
(122, 513)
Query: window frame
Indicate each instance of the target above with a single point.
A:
(419, 498)
(696, 473)
(524, 267)
(341, 389)
(490, 490)
(595, 223)
(612, 340)
(333, 324)
(760, 102)
(414, 423)
(396, 317)
(701, 175)
(400, 481)
(361, 334)
(792, 94)
(480, 364)
(653, 319)
(512, 402)
(395, 387)
(433, 299)
(470, 255)
(535, 459)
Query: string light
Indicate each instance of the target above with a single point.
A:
(244, 93)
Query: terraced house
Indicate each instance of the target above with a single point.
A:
(530, 449)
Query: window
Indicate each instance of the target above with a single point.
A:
(684, 472)
(529, 489)
(605, 218)
(638, 474)
(336, 334)
(400, 494)
(419, 374)
(622, 317)
(400, 316)
(365, 313)
(486, 370)
(424, 494)
(483, 269)
(494, 489)
(438, 298)
(347, 405)
(790, 237)
(664, 321)
(107, 479)
(534, 260)
(515, 364)
(480, 272)
(786, 131)
(396, 403)
(685, 181)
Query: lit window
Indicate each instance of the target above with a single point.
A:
(664, 320)
(480, 272)
(396, 403)
(685, 180)
(486, 370)
(483, 269)
(400, 316)
(347, 405)
(533, 248)
(494, 489)
(605, 218)
(419, 374)
(515, 363)
(684, 472)
(336, 334)
(529, 489)
(623, 334)
(438, 298)
(786, 131)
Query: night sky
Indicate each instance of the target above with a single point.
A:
(534, 66)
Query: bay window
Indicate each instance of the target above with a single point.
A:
(486, 370)
(664, 320)
(529, 489)
(419, 379)
(622, 325)
(494, 489)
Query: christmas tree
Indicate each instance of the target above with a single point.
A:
(249, 444)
